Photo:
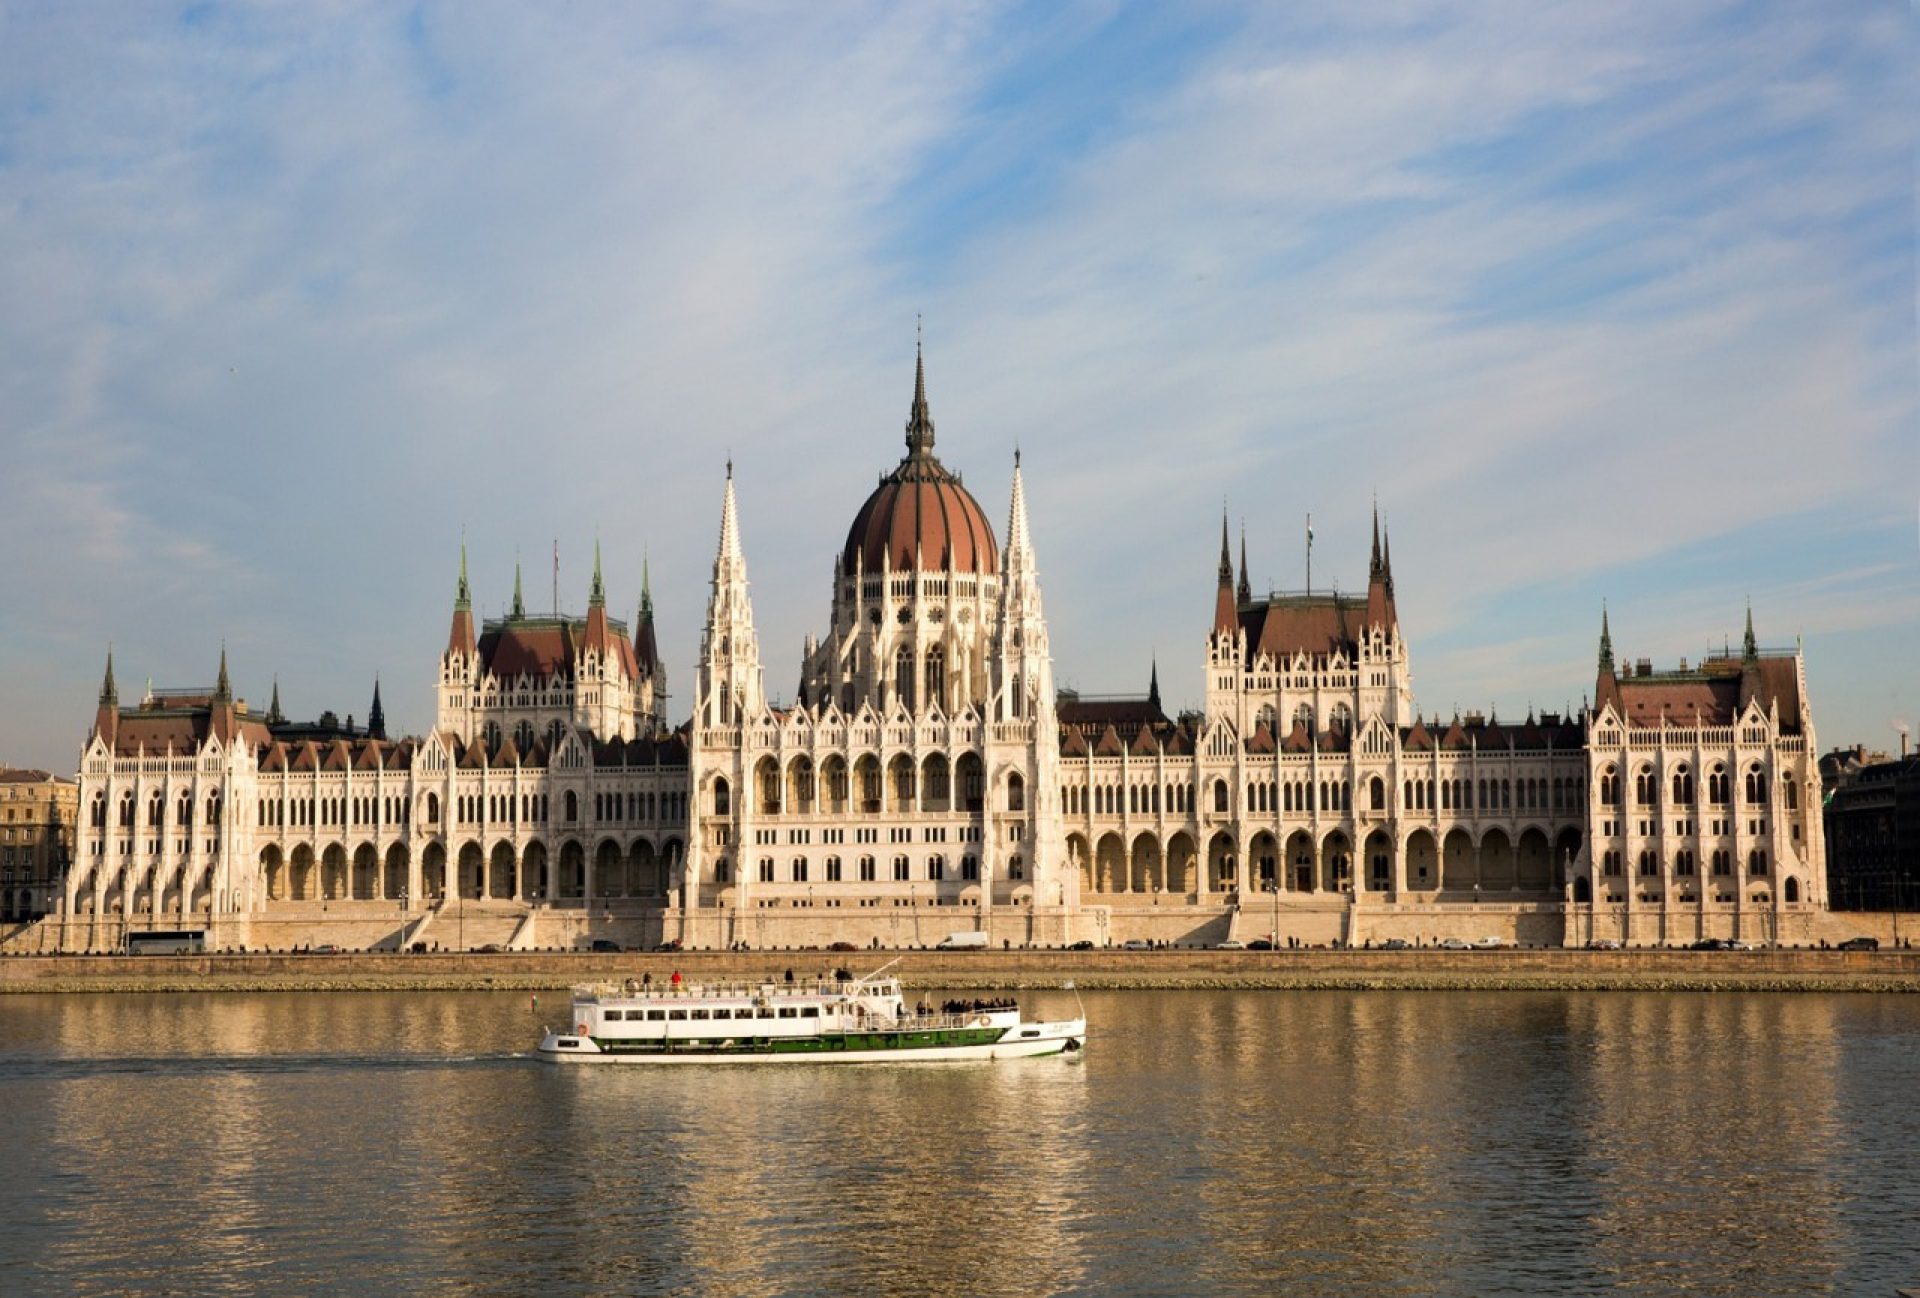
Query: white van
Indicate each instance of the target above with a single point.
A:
(962, 942)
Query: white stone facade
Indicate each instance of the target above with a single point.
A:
(927, 770)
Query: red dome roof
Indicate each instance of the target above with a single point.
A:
(920, 513)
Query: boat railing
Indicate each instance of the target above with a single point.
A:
(687, 990)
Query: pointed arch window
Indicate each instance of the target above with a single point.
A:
(903, 677)
(934, 679)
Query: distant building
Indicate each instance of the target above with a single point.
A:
(1873, 829)
(36, 841)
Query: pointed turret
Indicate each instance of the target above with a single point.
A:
(919, 418)
(599, 636)
(376, 715)
(1749, 647)
(222, 721)
(1245, 588)
(1226, 614)
(730, 685)
(1380, 609)
(460, 634)
(1153, 686)
(1606, 687)
(646, 649)
(519, 609)
(1606, 642)
(106, 719)
(1023, 668)
(274, 716)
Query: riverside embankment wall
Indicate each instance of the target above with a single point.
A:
(1542, 969)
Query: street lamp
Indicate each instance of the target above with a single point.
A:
(1273, 887)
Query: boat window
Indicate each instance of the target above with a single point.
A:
(810, 1011)
(613, 1016)
(786, 1011)
(699, 1014)
(654, 1016)
(677, 1015)
(723, 1014)
(763, 1013)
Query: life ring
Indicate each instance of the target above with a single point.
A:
(981, 1022)
(580, 1029)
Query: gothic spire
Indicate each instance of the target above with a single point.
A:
(376, 715)
(729, 529)
(1153, 686)
(1245, 589)
(463, 597)
(646, 588)
(919, 419)
(222, 691)
(597, 595)
(1750, 647)
(1226, 614)
(1226, 552)
(1606, 642)
(1019, 545)
(274, 716)
(519, 604)
(1376, 571)
(109, 692)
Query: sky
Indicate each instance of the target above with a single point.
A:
(1601, 304)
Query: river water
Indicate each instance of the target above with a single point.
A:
(1205, 1143)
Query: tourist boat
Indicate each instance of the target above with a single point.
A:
(843, 1020)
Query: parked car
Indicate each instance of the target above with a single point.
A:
(1743, 946)
(1604, 944)
(1231, 944)
(328, 948)
(494, 948)
(842, 946)
(1136, 944)
(418, 948)
(1455, 944)
(1490, 943)
(1084, 944)
(1860, 944)
(600, 945)
(1260, 944)
(671, 944)
(1711, 944)
(1396, 944)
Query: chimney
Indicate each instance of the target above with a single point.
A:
(1643, 667)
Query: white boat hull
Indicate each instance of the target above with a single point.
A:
(1022, 1041)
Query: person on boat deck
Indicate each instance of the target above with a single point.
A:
(676, 980)
(646, 980)
(789, 977)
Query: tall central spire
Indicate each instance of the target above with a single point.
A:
(919, 419)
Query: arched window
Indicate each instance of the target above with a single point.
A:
(1793, 891)
(1682, 787)
(1757, 787)
(902, 871)
(523, 737)
(1717, 782)
(934, 680)
(573, 806)
(433, 808)
(1377, 794)
(722, 799)
(903, 677)
(1220, 795)
(1303, 716)
(1340, 720)
(1757, 863)
(154, 816)
(1648, 866)
(1016, 792)
(866, 869)
(1609, 787)
(1792, 793)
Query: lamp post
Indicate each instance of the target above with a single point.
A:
(1273, 887)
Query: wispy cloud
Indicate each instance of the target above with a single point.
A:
(1578, 291)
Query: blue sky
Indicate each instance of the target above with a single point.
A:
(1601, 302)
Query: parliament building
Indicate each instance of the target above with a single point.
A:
(929, 778)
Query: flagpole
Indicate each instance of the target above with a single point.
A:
(1309, 554)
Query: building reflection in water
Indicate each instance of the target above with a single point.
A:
(1206, 1142)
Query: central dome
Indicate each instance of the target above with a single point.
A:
(920, 514)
